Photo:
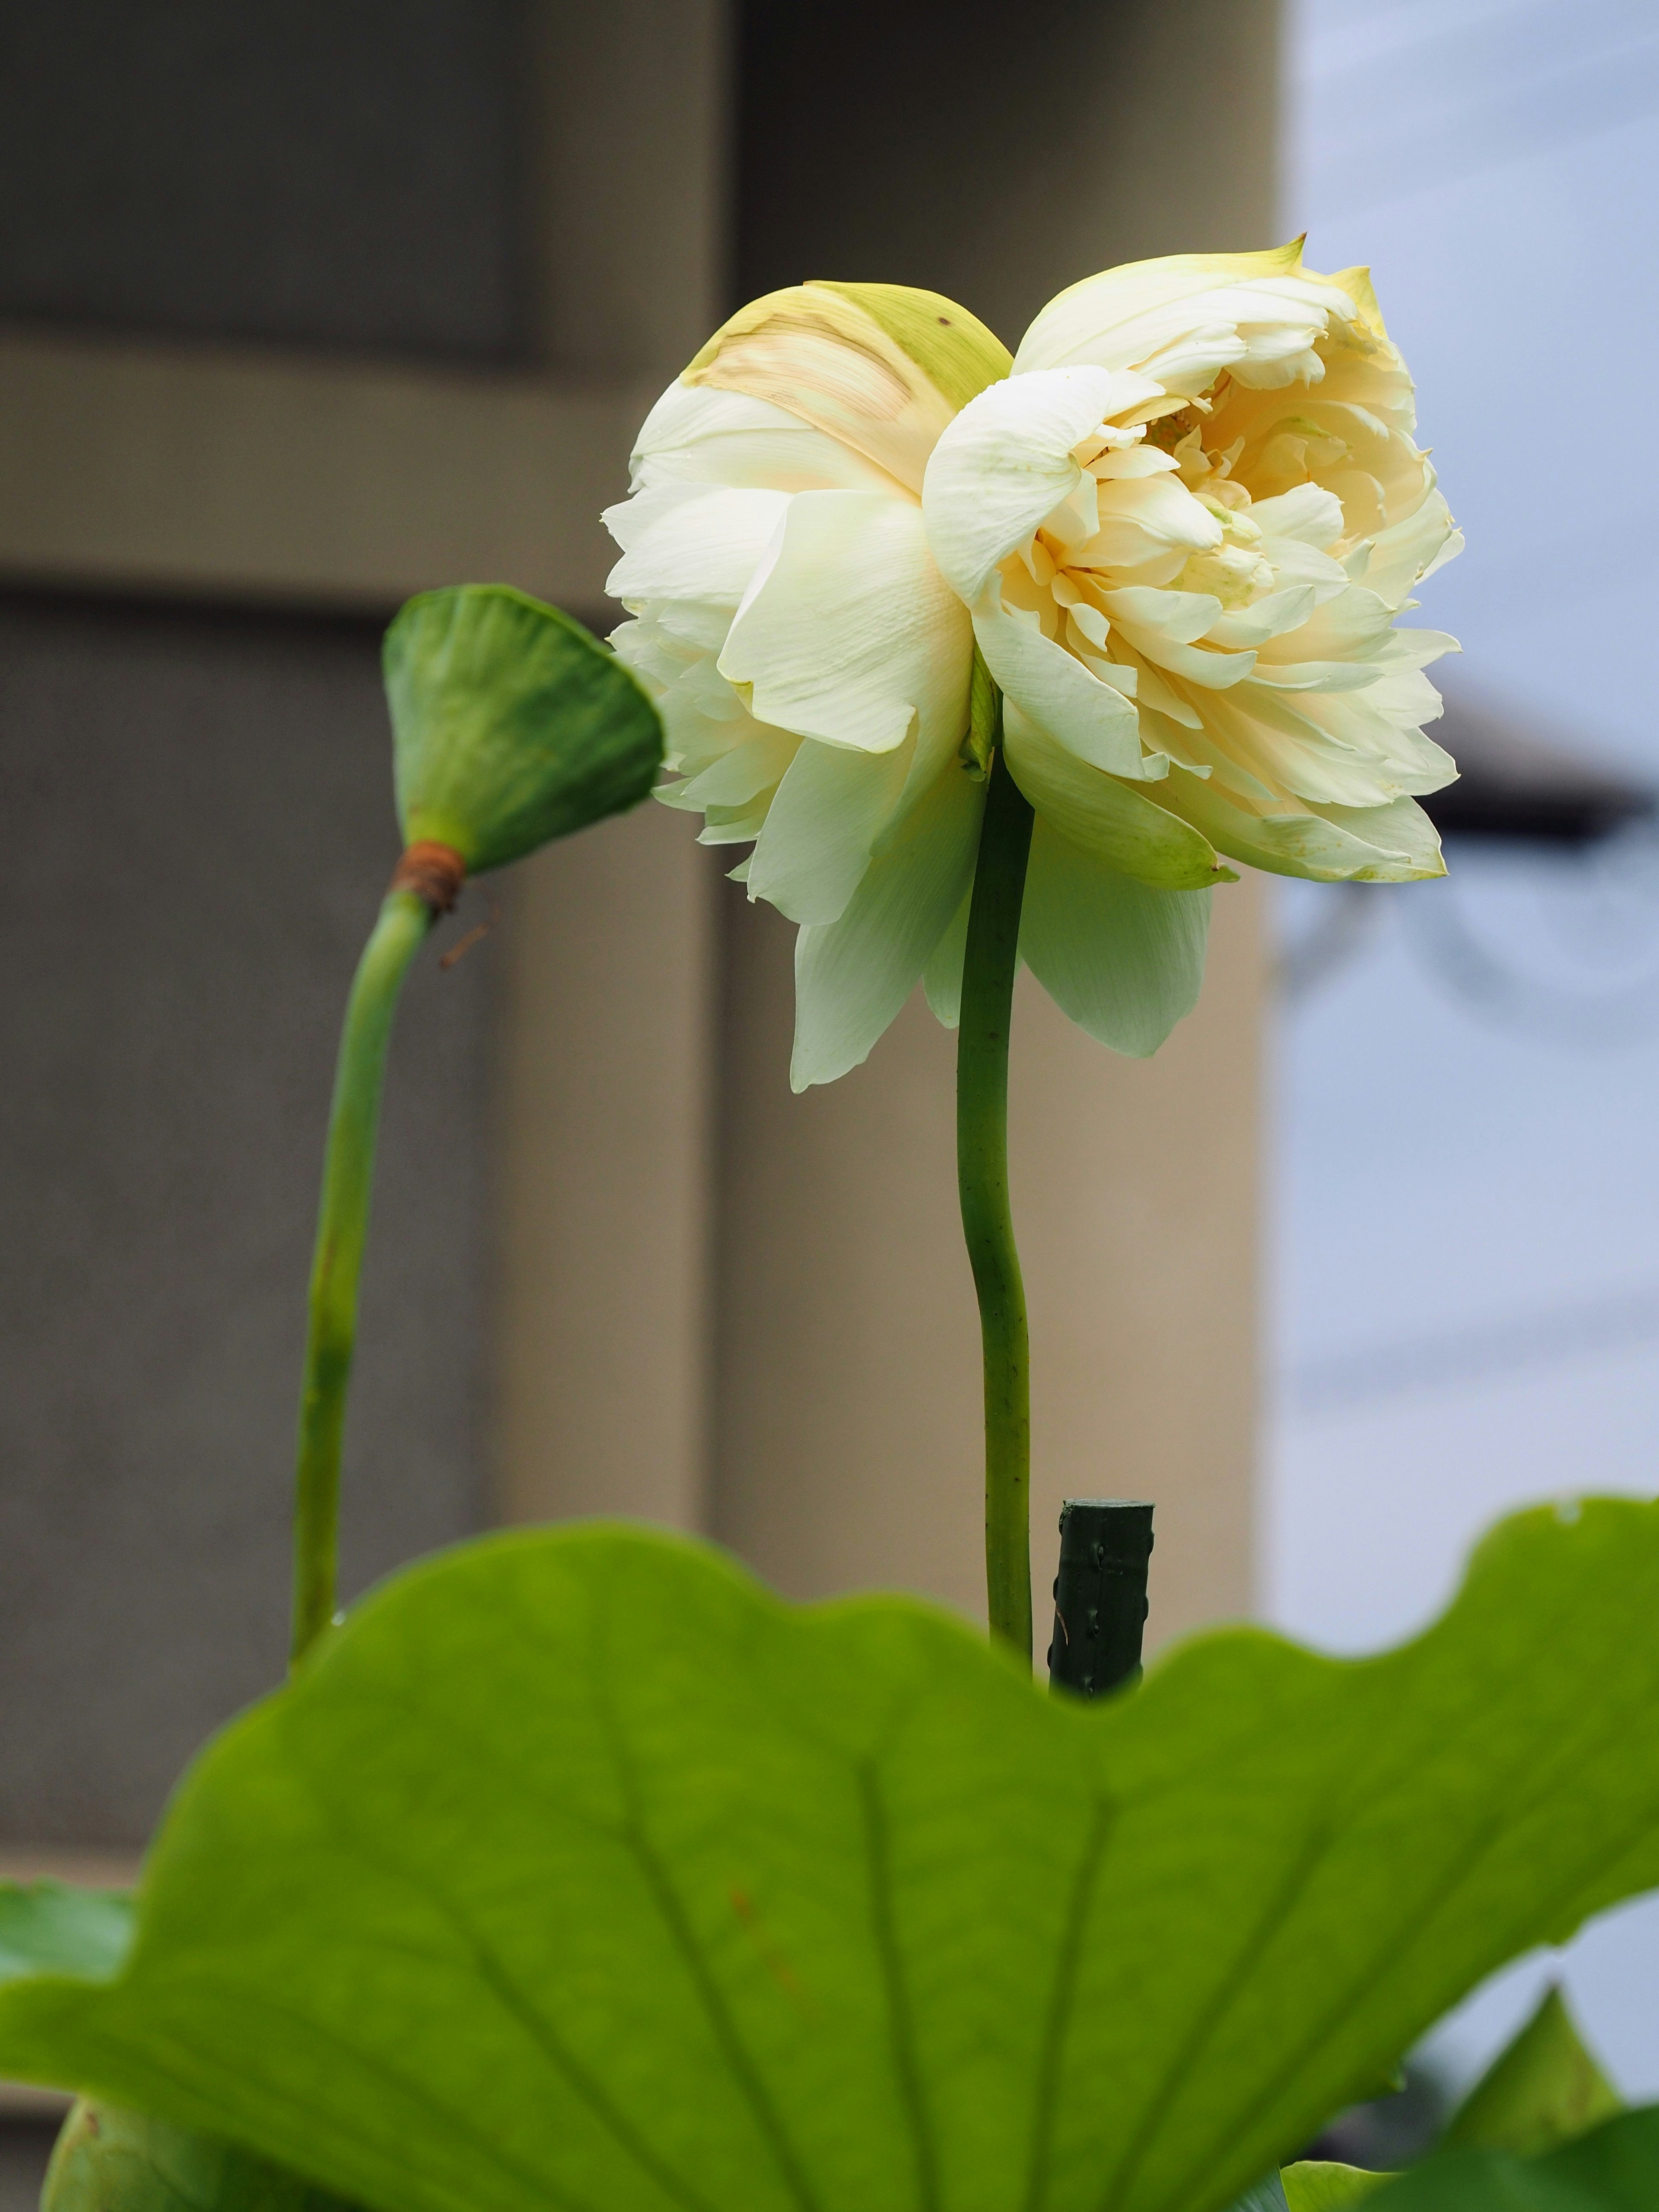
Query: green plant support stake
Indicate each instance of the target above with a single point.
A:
(989, 964)
(1100, 1594)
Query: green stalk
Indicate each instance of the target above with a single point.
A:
(342, 1226)
(987, 991)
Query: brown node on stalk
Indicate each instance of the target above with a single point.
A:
(433, 872)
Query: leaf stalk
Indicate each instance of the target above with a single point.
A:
(342, 1228)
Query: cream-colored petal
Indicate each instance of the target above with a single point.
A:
(852, 976)
(1405, 554)
(1392, 844)
(821, 828)
(1054, 689)
(1183, 320)
(1401, 832)
(851, 635)
(1131, 461)
(698, 435)
(1111, 819)
(705, 548)
(750, 768)
(1309, 514)
(1179, 616)
(1124, 960)
(1194, 663)
(1135, 287)
(630, 520)
(1314, 747)
(735, 825)
(1144, 518)
(1003, 464)
(1266, 618)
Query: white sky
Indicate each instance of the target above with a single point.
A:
(1466, 1289)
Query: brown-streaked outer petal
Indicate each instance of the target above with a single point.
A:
(879, 366)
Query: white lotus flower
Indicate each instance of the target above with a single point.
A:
(1179, 524)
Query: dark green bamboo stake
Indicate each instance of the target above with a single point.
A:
(425, 884)
(987, 987)
(1100, 1594)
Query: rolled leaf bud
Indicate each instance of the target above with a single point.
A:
(512, 725)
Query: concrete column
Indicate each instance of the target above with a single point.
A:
(603, 1190)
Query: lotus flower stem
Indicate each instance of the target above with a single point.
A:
(405, 917)
(987, 991)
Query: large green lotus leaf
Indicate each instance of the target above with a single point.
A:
(1614, 2169)
(576, 1870)
(512, 725)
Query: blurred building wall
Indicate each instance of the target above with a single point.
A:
(688, 1294)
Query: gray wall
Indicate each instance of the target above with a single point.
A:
(997, 152)
(197, 830)
(303, 171)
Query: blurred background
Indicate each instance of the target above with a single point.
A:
(306, 308)
(1464, 1291)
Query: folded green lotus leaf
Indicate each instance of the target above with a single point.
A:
(576, 1871)
(1543, 2090)
(512, 725)
(1613, 2169)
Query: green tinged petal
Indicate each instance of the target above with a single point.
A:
(941, 979)
(852, 976)
(1123, 960)
(948, 344)
(1106, 817)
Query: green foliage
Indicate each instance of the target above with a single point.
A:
(48, 1927)
(108, 2160)
(1616, 2168)
(512, 725)
(1543, 2090)
(1317, 2185)
(1267, 2196)
(577, 1871)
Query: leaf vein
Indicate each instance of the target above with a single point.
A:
(1061, 1997)
(900, 2025)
